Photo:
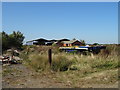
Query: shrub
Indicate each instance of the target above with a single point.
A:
(105, 63)
(60, 63)
(38, 62)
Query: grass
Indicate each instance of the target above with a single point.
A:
(61, 62)
(37, 58)
(72, 68)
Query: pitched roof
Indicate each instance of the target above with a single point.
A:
(45, 40)
(41, 39)
(63, 40)
(69, 42)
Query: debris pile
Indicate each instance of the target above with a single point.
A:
(11, 57)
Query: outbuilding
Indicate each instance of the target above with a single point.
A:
(71, 43)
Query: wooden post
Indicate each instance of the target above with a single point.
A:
(50, 56)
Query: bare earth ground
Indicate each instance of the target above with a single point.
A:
(19, 76)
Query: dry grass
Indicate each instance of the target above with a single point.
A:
(38, 59)
(77, 68)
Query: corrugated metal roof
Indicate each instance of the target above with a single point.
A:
(69, 42)
(53, 40)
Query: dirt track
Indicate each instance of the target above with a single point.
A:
(22, 77)
(19, 76)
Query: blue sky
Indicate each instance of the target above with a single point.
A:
(89, 21)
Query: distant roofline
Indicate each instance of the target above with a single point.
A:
(69, 42)
(46, 40)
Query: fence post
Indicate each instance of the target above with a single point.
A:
(50, 56)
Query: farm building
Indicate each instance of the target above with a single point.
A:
(58, 42)
(70, 43)
(42, 41)
(61, 42)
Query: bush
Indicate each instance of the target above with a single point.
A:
(61, 63)
(105, 64)
(38, 62)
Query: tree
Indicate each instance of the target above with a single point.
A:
(95, 44)
(5, 43)
(74, 39)
(83, 42)
(14, 40)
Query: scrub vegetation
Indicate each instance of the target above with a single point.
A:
(75, 69)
